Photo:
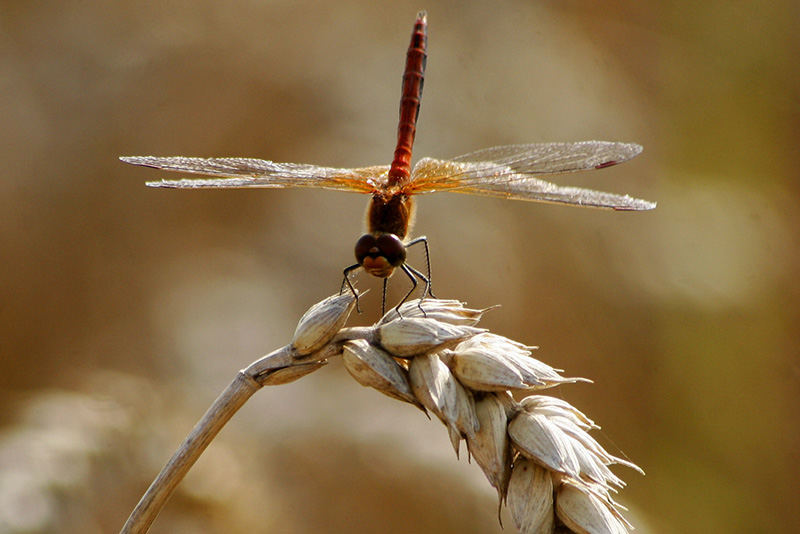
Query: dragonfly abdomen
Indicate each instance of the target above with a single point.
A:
(413, 79)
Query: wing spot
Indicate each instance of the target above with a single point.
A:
(606, 164)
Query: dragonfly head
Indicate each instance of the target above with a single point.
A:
(380, 253)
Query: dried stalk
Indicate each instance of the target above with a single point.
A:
(537, 453)
(280, 366)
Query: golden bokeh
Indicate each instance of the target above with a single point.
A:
(125, 310)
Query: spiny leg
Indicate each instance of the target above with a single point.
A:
(346, 280)
(410, 273)
(428, 287)
(383, 298)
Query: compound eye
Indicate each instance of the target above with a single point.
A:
(392, 248)
(363, 246)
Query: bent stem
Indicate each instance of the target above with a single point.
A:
(280, 366)
(220, 412)
(536, 452)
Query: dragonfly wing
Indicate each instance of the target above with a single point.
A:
(534, 189)
(511, 172)
(251, 172)
(556, 158)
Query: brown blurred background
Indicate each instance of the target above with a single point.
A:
(126, 310)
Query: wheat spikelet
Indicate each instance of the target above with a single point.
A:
(537, 452)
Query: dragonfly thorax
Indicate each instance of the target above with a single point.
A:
(380, 253)
(390, 214)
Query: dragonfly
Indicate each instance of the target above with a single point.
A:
(510, 171)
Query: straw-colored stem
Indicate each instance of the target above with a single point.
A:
(243, 386)
(246, 383)
(220, 412)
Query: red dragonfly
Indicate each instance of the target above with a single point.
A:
(510, 171)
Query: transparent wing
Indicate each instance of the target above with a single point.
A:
(511, 172)
(250, 172)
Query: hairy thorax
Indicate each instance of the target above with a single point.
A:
(390, 214)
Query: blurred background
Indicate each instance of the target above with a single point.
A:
(125, 310)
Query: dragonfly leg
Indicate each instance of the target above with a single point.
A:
(428, 287)
(410, 272)
(346, 282)
(383, 298)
